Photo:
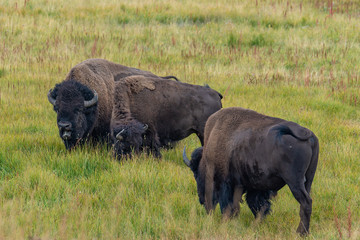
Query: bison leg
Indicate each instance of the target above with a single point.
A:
(156, 152)
(226, 198)
(259, 202)
(209, 189)
(152, 143)
(230, 196)
(303, 197)
(238, 192)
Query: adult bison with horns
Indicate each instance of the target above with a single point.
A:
(247, 152)
(84, 100)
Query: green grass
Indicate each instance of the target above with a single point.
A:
(297, 60)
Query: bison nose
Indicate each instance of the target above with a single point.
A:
(66, 135)
(64, 125)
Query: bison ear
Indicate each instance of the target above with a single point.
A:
(86, 92)
(91, 97)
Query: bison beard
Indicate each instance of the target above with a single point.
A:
(247, 152)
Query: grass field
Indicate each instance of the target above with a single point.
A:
(297, 60)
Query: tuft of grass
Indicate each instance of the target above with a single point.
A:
(260, 40)
(2, 72)
(233, 41)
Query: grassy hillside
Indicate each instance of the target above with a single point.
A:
(297, 60)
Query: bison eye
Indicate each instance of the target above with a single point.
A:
(56, 109)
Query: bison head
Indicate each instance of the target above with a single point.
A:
(194, 166)
(75, 105)
(128, 137)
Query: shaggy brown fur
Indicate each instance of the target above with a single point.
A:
(172, 110)
(247, 152)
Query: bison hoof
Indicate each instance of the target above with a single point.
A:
(302, 231)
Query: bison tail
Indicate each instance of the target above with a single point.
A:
(259, 202)
(310, 173)
(294, 130)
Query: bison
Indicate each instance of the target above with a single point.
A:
(247, 152)
(170, 110)
(84, 100)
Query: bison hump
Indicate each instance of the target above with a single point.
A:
(137, 83)
(293, 129)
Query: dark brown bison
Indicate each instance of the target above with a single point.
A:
(170, 111)
(84, 100)
(247, 152)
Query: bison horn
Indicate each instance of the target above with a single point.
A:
(92, 101)
(145, 127)
(186, 160)
(50, 98)
(119, 136)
